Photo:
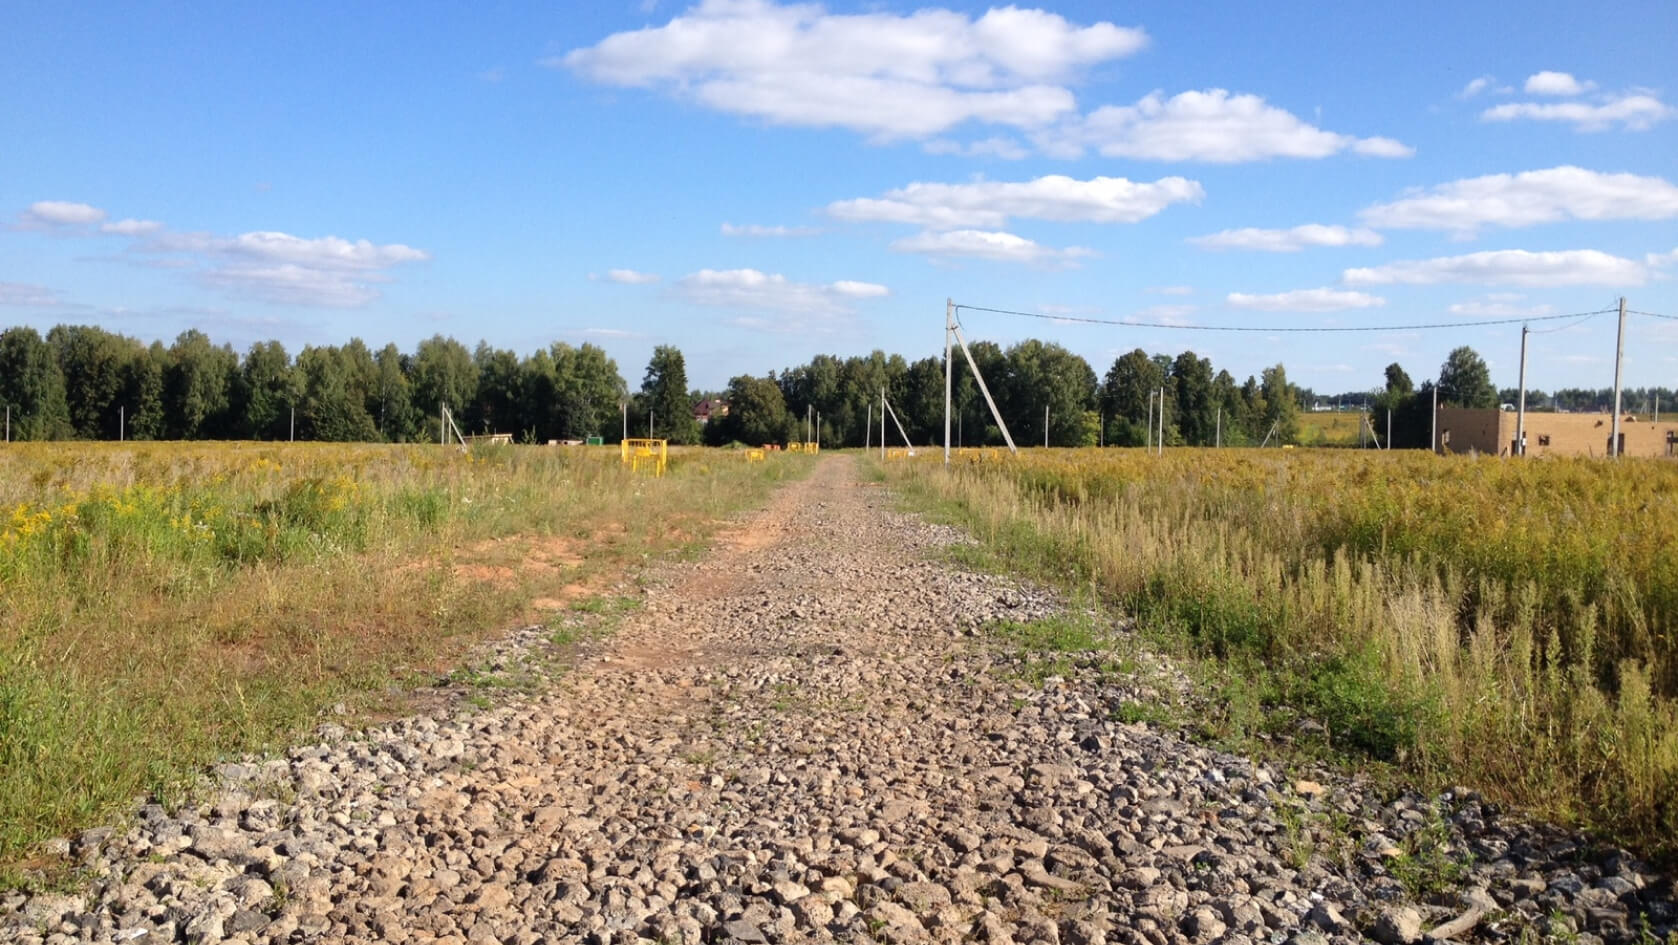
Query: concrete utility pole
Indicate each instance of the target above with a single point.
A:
(1619, 362)
(949, 376)
(1389, 428)
(293, 425)
(1435, 433)
(1521, 403)
(868, 428)
(122, 423)
(1045, 426)
(8, 423)
(882, 423)
(442, 423)
(1162, 421)
(1218, 430)
(624, 406)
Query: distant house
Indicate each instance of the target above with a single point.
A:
(708, 408)
(1492, 431)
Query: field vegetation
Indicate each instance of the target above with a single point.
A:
(166, 605)
(1509, 625)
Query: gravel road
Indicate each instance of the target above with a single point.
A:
(812, 735)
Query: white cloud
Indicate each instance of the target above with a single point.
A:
(1476, 86)
(131, 227)
(1212, 125)
(610, 333)
(1662, 260)
(760, 231)
(1632, 111)
(277, 267)
(992, 203)
(1007, 149)
(749, 288)
(1528, 198)
(49, 213)
(883, 74)
(1306, 300)
(1556, 83)
(1499, 305)
(631, 277)
(1287, 241)
(24, 295)
(859, 290)
(1517, 267)
(994, 246)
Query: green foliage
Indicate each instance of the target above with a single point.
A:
(1466, 381)
(664, 393)
(32, 387)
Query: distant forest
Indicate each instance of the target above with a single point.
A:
(81, 382)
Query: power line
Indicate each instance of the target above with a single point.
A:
(1550, 331)
(1291, 329)
(1670, 318)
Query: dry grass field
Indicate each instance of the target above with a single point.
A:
(1510, 625)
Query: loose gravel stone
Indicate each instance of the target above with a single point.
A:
(808, 735)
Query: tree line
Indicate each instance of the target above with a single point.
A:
(84, 382)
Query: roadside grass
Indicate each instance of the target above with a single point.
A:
(163, 606)
(1513, 626)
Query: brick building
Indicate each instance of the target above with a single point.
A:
(1554, 434)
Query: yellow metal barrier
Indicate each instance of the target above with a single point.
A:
(795, 447)
(754, 456)
(810, 447)
(978, 454)
(651, 455)
(898, 453)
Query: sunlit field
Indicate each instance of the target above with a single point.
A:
(164, 605)
(1508, 624)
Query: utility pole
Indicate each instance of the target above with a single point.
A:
(293, 425)
(1162, 421)
(949, 375)
(1619, 362)
(649, 421)
(442, 423)
(1521, 402)
(818, 431)
(882, 423)
(8, 423)
(122, 423)
(1045, 426)
(1435, 433)
(1389, 428)
(624, 406)
(1218, 429)
(868, 428)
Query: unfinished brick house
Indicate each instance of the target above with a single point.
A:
(1492, 432)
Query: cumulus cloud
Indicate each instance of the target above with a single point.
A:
(760, 231)
(1516, 267)
(1213, 125)
(630, 277)
(1528, 198)
(1306, 300)
(1476, 86)
(1289, 240)
(751, 289)
(131, 227)
(994, 246)
(1631, 111)
(1499, 305)
(60, 213)
(1556, 83)
(271, 266)
(879, 73)
(992, 203)
(24, 295)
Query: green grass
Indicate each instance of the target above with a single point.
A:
(164, 606)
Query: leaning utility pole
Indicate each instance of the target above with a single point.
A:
(1521, 403)
(1619, 361)
(953, 330)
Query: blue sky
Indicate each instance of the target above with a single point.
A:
(758, 182)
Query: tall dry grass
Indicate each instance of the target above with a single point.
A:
(1509, 624)
(163, 605)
